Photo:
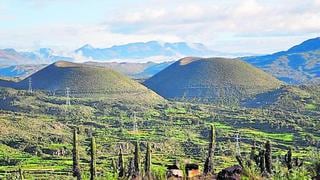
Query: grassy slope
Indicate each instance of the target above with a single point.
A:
(211, 78)
(87, 81)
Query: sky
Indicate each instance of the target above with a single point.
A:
(250, 26)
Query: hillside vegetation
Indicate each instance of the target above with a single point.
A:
(211, 80)
(36, 133)
(85, 81)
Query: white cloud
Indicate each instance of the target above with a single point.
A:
(69, 37)
(213, 21)
(255, 26)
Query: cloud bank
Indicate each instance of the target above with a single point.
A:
(253, 26)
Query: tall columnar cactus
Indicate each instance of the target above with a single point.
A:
(268, 157)
(147, 165)
(262, 163)
(253, 154)
(253, 151)
(21, 174)
(93, 159)
(208, 166)
(288, 159)
(114, 166)
(120, 164)
(75, 156)
(136, 159)
(130, 169)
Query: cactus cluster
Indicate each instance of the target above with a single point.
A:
(263, 159)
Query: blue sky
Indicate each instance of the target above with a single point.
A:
(253, 26)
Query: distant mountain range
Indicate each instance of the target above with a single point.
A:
(135, 70)
(299, 64)
(42, 56)
(142, 50)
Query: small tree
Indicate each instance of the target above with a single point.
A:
(93, 159)
(147, 166)
(208, 166)
(120, 164)
(268, 157)
(136, 159)
(75, 156)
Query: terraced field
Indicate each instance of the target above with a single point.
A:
(40, 143)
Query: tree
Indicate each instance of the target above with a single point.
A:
(147, 166)
(136, 159)
(93, 159)
(208, 166)
(75, 156)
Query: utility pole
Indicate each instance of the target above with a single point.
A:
(135, 126)
(68, 96)
(237, 138)
(30, 86)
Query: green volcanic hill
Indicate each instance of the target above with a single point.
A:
(84, 80)
(211, 80)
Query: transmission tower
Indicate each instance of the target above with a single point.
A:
(30, 85)
(135, 126)
(237, 138)
(68, 96)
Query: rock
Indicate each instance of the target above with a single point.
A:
(230, 173)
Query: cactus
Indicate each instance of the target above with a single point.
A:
(297, 162)
(208, 166)
(268, 157)
(93, 159)
(240, 161)
(147, 166)
(131, 169)
(262, 164)
(75, 156)
(114, 166)
(120, 164)
(288, 159)
(253, 154)
(21, 177)
(136, 159)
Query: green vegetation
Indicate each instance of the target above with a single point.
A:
(208, 80)
(36, 135)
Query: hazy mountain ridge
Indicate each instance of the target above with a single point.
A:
(42, 56)
(299, 64)
(142, 50)
(135, 70)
